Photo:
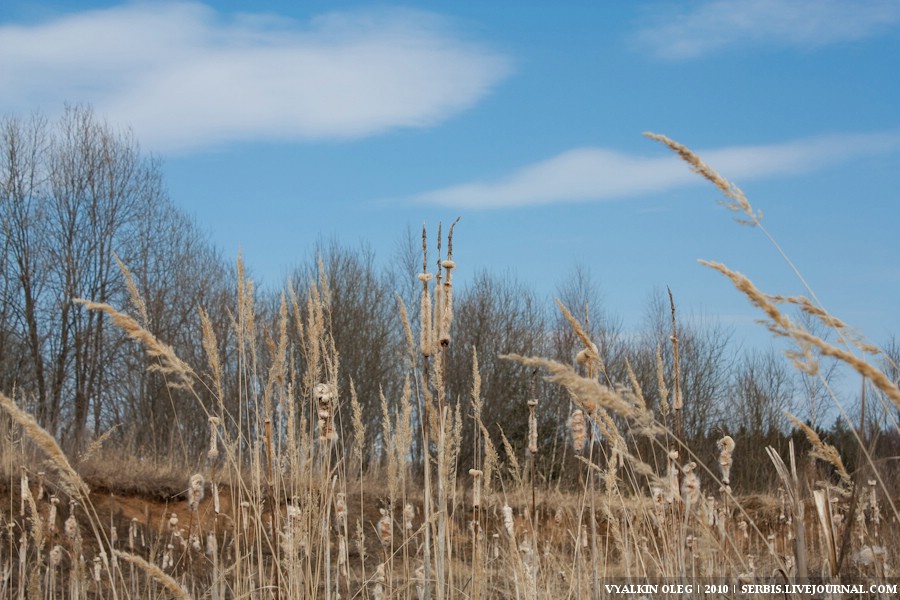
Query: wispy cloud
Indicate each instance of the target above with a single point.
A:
(184, 76)
(594, 174)
(715, 24)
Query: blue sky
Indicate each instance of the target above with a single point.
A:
(282, 123)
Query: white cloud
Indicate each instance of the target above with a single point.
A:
(593, 174)
(184, 76)
(715, 24)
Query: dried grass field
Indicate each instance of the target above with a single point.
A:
(297, 495)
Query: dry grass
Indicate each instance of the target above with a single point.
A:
(284, 507)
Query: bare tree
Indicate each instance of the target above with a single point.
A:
(74, 193)
(495, 315)
(764, 387)
(704, 364)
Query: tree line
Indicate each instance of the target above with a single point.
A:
(85, 214)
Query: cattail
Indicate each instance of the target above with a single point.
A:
(726, 447)
(532, 427)
(51, 516)
(873, 505)
(132, 531)
(212, 544)
(378, 581)
(447, 310)
(215, 493)
(167, 561)
(213, 452)
(340, 510)
(326, 395)
(508, 520)
(195, 492)
(385, 529)
(710, 510)
(409, 513)
(578, 429)
(425, 316)
(690, 485)
(173, 522)
(25, 491)
(71, 527)
(40, 492)
(476, 486)
(360, 541)
(96, 570)
(342, 551)
(56, 555)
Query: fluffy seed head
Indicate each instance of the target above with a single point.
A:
(578, 429)
(340, 509)
(195, 491)
(726, 447)
(71, 527)
(690, 485)
(508, 520)
(385, 529)
(56, 555)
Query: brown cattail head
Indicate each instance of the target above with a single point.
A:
(385, 529)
